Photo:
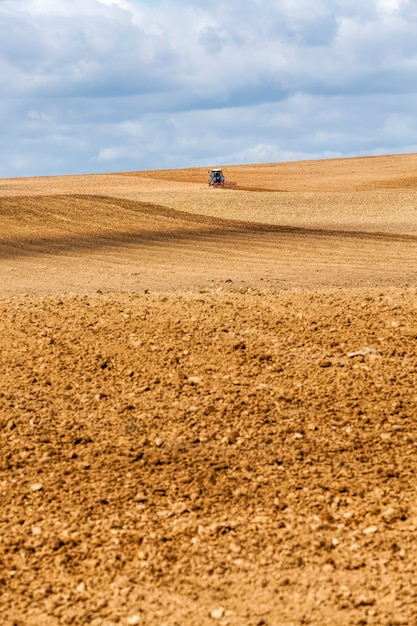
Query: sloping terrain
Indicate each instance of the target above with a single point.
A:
(78, 244)
(207, 401)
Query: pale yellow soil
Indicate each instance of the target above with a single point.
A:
(208, 397)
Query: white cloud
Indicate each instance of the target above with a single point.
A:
(111, 154)
(388, 5)
(135, 84)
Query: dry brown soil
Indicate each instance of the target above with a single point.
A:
(208, 397)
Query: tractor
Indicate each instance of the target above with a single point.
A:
(217, 179)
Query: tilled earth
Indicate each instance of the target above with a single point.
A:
(205, 446)
(166, 457)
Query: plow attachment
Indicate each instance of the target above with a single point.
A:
(223, 184)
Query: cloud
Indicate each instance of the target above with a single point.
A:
(98, 85)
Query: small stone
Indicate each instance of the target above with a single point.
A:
(370, 530)
(158, 442)
(36, 530)
(195, 380)
(235, 548)
(179, 507)
(298, 436)
(217, 613)
(133, 620)
(36, 487)
(364, 601)
(140, 497)
(363, 352)
(390, 515)
(325, 363)
(80, 588)
(316, 523)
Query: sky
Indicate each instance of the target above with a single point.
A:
(122, 85)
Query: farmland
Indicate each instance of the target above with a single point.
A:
(208, 406)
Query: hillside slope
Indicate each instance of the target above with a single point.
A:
(349, 222)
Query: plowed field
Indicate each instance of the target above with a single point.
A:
(208, 397)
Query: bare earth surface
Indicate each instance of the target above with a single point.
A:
(208, 397)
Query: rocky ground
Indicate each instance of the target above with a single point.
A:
(196, 443)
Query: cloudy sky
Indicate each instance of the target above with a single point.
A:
(116, 85)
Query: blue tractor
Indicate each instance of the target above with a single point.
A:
(217, 179)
